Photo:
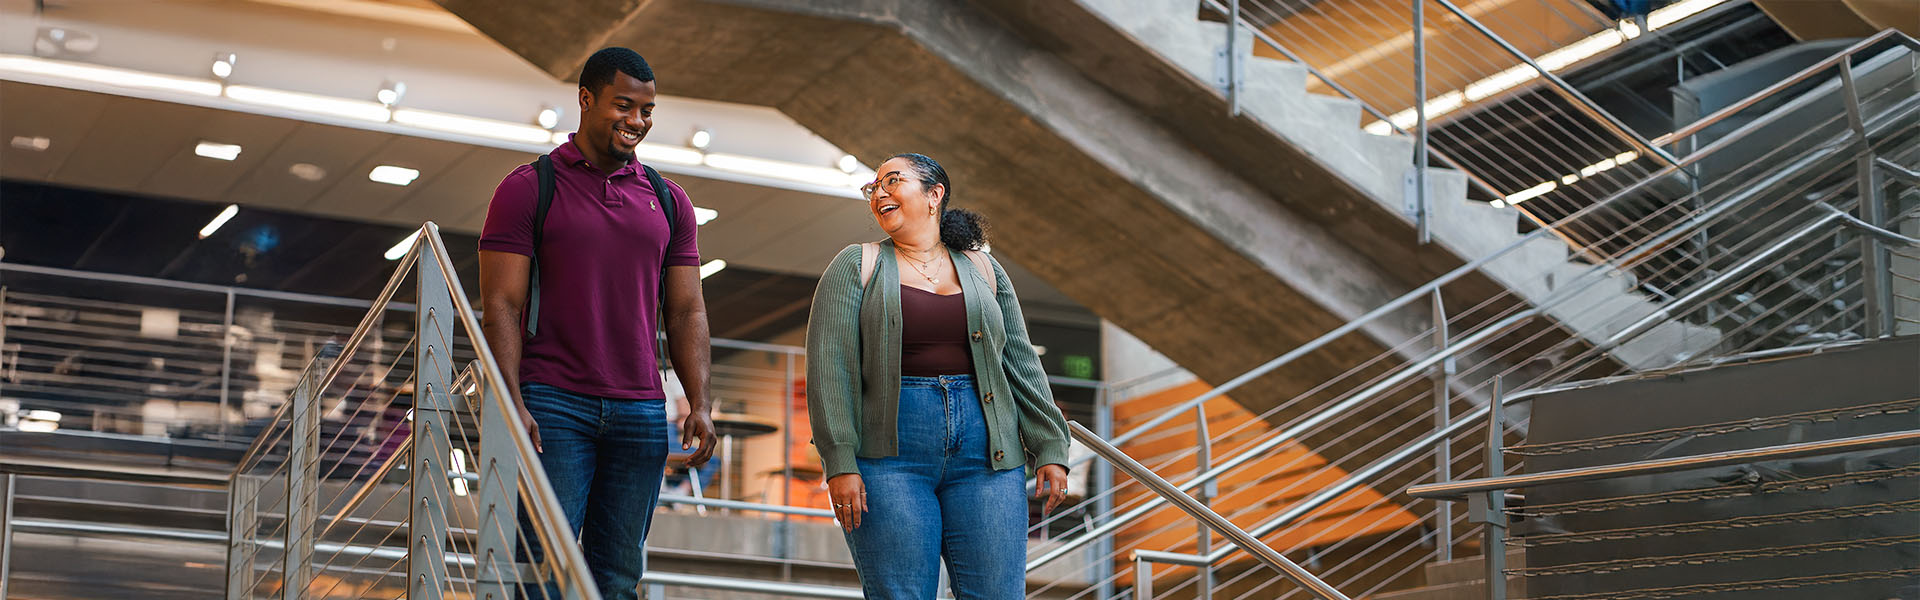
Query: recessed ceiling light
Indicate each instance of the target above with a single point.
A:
(701, 139)
(35, 143)
(307, 171)
(218, 220)
(548, 118)
(702, 215)
(392, 175)
(712, 266)
(217, 150)
(849, 164)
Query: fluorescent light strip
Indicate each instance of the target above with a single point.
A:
(108, 75)
(451, 123)
(1585, 172)
(712, 266)
(784, 170)
(702, 215)
(217, 151)
(338, 107)
(392, 175)
(1553, 61)
(400, 249)
(218, 220)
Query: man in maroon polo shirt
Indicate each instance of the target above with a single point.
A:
(586, 379)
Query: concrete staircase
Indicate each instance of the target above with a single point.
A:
(1462, 579)
(1274, 94)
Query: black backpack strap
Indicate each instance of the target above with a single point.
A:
(670, 208)
(544, 167)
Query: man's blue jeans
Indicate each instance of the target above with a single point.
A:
(604, 457)
(941, 497)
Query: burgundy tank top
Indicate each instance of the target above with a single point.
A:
(933, 334)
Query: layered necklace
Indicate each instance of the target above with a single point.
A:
(922, 266)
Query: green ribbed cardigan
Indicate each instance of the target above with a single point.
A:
(853, 367)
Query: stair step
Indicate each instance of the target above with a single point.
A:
(1465, 590)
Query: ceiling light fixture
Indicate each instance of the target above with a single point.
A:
(548, 117)
(661, 153)
(780, 169)
(701, 139)
(223, 65)
(216, 150)
(391, 92)
(702, 215)
(392, 175)
(307, 171)
(400, 249)
(452, 123)
(849, 164)
(712, 266)
(218, 220)
(34, 143)
(1553, 61)
(360, 110)
(120, 78)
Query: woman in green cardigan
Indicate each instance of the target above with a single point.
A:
(927, 398)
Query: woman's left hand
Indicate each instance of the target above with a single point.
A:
(1050, 481)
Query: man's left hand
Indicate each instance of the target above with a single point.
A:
(698, 427)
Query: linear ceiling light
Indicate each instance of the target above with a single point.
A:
(217, 150)
(826, 176)
(489, 128)
(1554, 61)
(703, 215)
(400, 249)
(360, 110)
(712, 266)
(125, 78)
(219, 219)
(392, 175)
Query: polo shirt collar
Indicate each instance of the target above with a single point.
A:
(569, 154)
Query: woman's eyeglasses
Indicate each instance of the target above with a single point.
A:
(890, 183)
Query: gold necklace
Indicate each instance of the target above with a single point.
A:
(918, 267)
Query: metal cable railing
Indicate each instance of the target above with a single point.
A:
(1785, 233)
(429, 488)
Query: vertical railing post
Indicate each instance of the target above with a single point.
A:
(1442, 415)
(499, 496)
(1876, 282)
(7, 481)
(1490, 509)
(302, 481)
(1142, 579)
(1203, 541)
(432, 448)
(1234, 61)
(243, 523)
(1422, 218)
(1102, 483)
(226, 365)
(785, 547)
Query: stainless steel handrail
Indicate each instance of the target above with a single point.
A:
(1455, 490)
(1238, 537)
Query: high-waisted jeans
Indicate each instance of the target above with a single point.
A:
(940, 497)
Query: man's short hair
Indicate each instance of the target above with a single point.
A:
(598, 72)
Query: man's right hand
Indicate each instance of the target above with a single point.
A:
(533, 429)
(849, 497)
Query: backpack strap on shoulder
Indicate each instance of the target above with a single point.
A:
(869, 258)
(985, 265)
(669, 207)
(543, 167)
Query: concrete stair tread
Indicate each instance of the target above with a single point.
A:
(1464, 590)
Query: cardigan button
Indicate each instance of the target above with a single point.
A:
(999, 455)
(987, 398)
(977, 336)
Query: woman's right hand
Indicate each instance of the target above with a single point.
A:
(849, 497)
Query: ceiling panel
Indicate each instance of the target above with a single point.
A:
(353, 196)
(129, 140)
(334, 150)
(463, 190)
(61, 116)
(188, 175)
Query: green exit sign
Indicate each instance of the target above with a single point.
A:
(1077, 366)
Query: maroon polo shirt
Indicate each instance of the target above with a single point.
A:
(600, 263)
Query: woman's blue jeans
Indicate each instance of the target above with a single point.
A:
(940, 497)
